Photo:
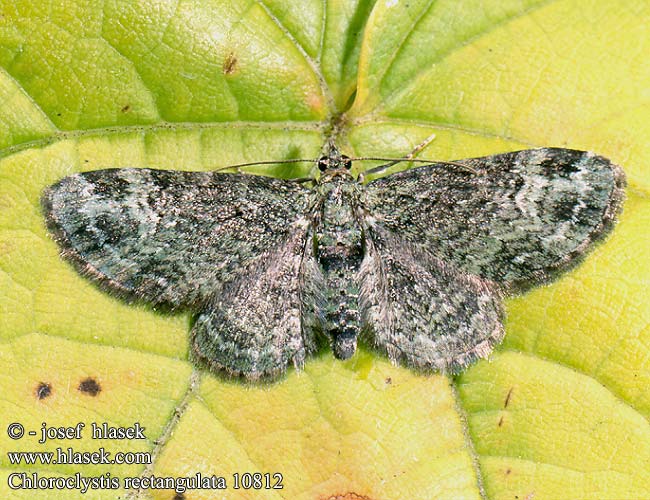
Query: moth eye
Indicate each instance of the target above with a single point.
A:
(322, 164)
(347, 163)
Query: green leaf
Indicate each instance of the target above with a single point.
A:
(561, 408)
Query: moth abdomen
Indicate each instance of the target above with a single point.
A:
(339, 253)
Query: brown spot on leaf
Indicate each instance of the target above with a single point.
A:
(230, 64)
(90, 386)
(500, 421)
(43, 390)
(508, 396)
(508, 471)
(126, 108)
(315, 102)
(346, 496)
(179, 496)
(388, 381)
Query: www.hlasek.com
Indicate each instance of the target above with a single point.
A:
(70, 456)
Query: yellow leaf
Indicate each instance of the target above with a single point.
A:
(561, 408)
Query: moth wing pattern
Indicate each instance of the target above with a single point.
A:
(517, 218)
(442, 244)
(264, 320)
(421, 312)
(169, 237)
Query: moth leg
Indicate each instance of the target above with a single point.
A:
(258, 325)
(380, 169)
(423, 313)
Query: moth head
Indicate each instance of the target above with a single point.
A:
(334, 164)
(328, 163)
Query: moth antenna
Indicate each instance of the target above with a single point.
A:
(395, 161)
(410, 158)
(266, 162)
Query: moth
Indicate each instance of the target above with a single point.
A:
(413, 264)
